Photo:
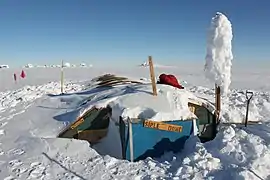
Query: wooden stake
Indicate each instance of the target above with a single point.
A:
(62, 77)
(217, 111)
(217, 103)
(152, 74)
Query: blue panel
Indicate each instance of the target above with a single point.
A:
(148, 142)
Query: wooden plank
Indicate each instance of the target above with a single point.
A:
(162, 126)
(118, 83)
(77, 123)
(112, 79)
(63, 132)
(152, 74)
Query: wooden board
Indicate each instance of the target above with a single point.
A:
(118, 83)
(74, 124)
(77, 123)
(104, 77)
(112, 79)
(162, 126)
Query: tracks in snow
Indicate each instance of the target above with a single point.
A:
(13, 104)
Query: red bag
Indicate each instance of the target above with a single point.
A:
(169, 80)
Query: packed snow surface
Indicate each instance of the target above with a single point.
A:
(219, 52)
(29, 123)
(137, 101)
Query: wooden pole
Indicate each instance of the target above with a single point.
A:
(62, 77)
(217, 111)
(152, 74)
(217, 103)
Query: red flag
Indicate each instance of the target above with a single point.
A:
(23, 74)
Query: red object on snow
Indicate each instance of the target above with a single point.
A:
(169, 80)
(23, 74)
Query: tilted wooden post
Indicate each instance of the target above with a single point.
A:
(152, 74)
(217, 111)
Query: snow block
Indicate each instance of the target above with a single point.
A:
(153, 142)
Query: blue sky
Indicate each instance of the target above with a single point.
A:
(127, 31)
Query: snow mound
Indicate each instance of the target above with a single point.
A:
(219, 52)
(67, 64)
(29, 66)
(28, 149)
(137, 101)
(83, 65)
(4, 66)
(234, 108)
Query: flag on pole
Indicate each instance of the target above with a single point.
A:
(23, 75)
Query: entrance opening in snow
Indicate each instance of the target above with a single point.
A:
(206, 122)
(140, 137)
(92, 126)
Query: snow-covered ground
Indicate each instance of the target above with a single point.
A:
(29, 149)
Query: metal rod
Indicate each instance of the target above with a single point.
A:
(130, 140)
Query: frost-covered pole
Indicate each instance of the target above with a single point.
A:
(219, 52)
(218, 60)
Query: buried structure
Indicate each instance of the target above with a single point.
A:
(122, 115)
